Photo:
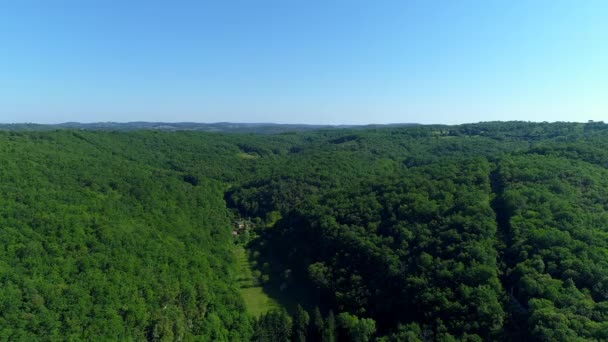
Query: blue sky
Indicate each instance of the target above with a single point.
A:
(313, 61)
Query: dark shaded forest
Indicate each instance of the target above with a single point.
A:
(483, 232)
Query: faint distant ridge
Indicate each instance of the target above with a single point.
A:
(224, 127)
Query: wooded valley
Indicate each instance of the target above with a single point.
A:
(483, 232)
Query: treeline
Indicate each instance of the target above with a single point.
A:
(278, 325)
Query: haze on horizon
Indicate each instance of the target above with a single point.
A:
(311, 62)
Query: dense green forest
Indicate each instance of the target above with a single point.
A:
(483, 232)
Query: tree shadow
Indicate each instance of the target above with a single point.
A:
(278, 281)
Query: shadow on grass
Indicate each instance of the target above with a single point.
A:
(279, 282)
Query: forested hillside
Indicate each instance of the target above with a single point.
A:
(482, 232)
(99, 246)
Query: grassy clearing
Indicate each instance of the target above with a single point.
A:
(256, 300)
(248, 155)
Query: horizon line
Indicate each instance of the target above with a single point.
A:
(282, 123)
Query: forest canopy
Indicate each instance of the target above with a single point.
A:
(483, 232)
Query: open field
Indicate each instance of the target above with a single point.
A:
(256, 300)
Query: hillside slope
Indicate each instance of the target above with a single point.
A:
(99, 246)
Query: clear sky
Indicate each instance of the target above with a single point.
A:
(303, 61)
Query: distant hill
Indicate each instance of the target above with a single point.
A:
(226, 127)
